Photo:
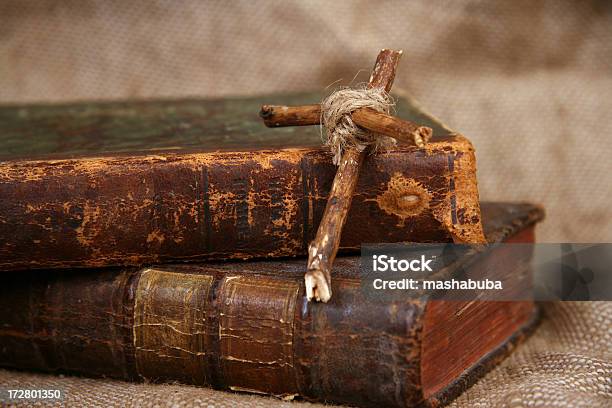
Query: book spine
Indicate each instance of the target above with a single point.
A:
(231, 331)
(93, 212)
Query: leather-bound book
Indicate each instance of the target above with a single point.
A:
(103, 184)
(247, 326)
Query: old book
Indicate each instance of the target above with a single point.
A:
(102, 184)
(246, 326)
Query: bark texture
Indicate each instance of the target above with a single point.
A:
(402, 130)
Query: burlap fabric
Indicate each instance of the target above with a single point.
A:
(566, 363)
(105, 393)
(529, 82)
(87, 393)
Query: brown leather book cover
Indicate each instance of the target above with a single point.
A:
(248, 327)
(103, 184)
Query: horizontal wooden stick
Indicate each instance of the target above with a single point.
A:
(281, 116)
(399, 129)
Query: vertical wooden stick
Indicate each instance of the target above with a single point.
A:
(323, 249)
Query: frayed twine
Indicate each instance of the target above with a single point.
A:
(338, 130)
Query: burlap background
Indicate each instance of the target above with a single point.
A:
(530, 82)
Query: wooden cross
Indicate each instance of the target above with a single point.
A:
(322, 251)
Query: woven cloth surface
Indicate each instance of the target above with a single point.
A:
(567, 362)
(106, 393)
(529, 82)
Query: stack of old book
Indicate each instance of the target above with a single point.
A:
(162, 241)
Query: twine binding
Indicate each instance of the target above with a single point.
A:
(338, 130)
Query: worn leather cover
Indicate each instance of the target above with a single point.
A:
(237, 326)
(105, 184)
